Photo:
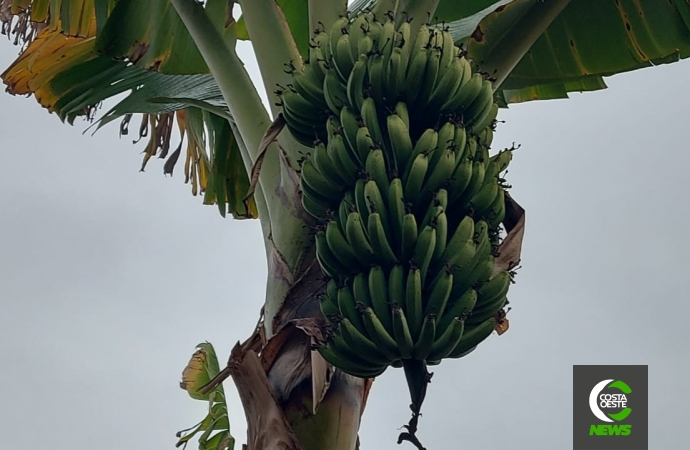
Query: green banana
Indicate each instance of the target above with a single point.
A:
(429, 80)
(424, 250)
(358, 29)
(328, 308)
(378, 292)
(500, 161)
(475, 183)
(349, 362)
(462, 175)
(348, 307)
(480, 108)
(401, 331)
(343, 57)
(465, 95)
(449, 339)
(365, 45)
(458, 307)
(396, 209)
(339, 27)
(415, 178)
(340, 155)
(327, 260)
(450, 81)
(319, 183)
(376, 169)
(423, 345)
(356, 236)
(379, 240)
(491, 297)
(325, 164)
(473, 336)
(334, 92)
(361, 202)
(309, 88)
(488, 120)
(497, 209)
(480, 273)
(315, 208)
(413, 301)
(364, 143)
(402, 112)
(483, 199)
(439, 176)
(359, 342)
(371, 120)
(355, 83)
(441, 224)
(391, 87)
(449, 53)
(377, 77)
(410, 233)
(339, 246)
(425, 144)
(458, 242)
(387, 39)
(460, 141)
(375, 202)
(379, 334)
(332, 291)
(439, 294)
(415, 75)
(396, 285)
(360, 289)
(350, 124)
(399, 137)
(404, 31)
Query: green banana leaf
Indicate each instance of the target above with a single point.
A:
(586, 42)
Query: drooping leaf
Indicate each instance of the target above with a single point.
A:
(69, 76)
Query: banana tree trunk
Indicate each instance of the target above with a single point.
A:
(292, 398)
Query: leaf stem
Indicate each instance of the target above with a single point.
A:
(273, 45)
(515, 44)
(249, 115)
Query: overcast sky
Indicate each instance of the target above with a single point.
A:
(110, 277)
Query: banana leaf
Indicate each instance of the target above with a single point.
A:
(64, 66)
(585, 43)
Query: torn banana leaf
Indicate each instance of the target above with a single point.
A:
(213, 431)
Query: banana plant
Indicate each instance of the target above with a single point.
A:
(176, 63)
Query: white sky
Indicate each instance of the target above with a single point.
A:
(109, 277)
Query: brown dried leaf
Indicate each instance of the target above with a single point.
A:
(321, 373)
(510, 249)
(269, 136)
(274, 345)
(267, 426)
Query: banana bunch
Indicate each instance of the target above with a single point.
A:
(364, 59)
(411, 281)
(407, 198)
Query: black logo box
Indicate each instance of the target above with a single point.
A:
(584, 379)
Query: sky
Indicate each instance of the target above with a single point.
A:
(109, 278)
